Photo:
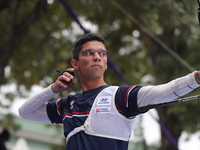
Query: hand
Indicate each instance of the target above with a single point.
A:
(63, 82)
(197, 76)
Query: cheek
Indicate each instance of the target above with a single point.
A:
(106, 64)
(83, 63)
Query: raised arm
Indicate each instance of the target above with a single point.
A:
(35, 107)
(169, 91)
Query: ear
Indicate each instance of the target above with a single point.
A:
(74, 63)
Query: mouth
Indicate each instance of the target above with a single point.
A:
(96, 66)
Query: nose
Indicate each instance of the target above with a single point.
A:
(97, 57)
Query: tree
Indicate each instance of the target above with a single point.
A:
(15, 26)
(13, 29)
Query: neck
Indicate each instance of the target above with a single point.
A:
(90, 84)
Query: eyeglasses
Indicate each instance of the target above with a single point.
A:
(91, 52)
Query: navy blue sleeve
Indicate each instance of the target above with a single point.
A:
(54, 112)
(126, 101)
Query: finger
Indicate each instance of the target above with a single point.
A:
(66, 87)
(66, 78)
(69, 75)
(64, 82)
(71, 69)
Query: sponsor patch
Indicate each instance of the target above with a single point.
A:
(102, 110)
(104, 100)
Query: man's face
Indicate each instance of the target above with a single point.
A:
(92, 61)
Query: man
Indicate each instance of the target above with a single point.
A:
(101, 116)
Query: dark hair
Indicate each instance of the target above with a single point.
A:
(82, 40)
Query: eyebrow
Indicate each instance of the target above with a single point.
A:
(93, 49)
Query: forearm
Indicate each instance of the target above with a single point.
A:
(35, 107)
(167, 92)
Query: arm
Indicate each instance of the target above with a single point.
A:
(169, 91)
(35, 107)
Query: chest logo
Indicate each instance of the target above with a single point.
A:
(102, 110)
(105, 100)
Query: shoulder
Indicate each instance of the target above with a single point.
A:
(126, 100)
(125, 90)
(61, 103)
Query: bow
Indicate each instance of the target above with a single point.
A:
(151, 106)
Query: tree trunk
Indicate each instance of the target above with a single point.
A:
(15, 29)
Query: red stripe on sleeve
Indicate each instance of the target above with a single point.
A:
(127, 94)
(58, 106)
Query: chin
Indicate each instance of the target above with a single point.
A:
(94, 75)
